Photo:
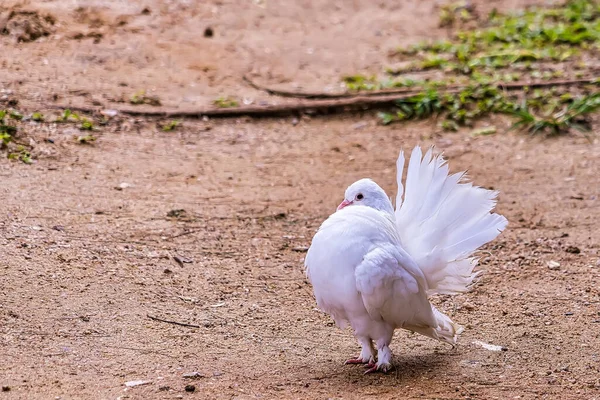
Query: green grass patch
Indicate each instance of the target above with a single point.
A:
(534, 35)
(67, 116)
(86, 124)
(86, 139)
(142, 98)
(21, 154)
(537, 44)
(169, 126)
(225, 102)
(7, 132)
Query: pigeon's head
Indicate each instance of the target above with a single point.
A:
(366, 193)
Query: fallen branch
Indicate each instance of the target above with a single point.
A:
(343, 101)
(538, 84)
(257, 111)
(172, 322)
(413, 90)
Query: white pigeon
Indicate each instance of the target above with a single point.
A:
(374, 268)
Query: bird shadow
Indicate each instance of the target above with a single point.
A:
(410, 367)
(405, 370)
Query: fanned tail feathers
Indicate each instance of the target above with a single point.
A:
(446, 330)
(443, 220)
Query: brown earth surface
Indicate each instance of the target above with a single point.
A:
(89, 234)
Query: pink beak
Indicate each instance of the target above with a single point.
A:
(344, 204)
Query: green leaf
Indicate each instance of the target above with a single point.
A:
(386, 118)
(225, 102)
(86, 125)
(449, 125)
(484, 131)
(170, 126)
(87, 139)
(8, 129)
(16, 115)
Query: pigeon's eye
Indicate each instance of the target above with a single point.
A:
(360, 196)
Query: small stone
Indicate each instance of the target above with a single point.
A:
(360, 125)
(137, 383)
(182, 260)
(6, 388)
(468, 306)
(177, 213)
(193, 375)
(553, 265)
(109, 113)
(300, 249)
(573, 250)
(190, 388)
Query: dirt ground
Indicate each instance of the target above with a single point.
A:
(89, 234)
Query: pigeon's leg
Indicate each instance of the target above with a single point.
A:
(384, 357)
(367, 354)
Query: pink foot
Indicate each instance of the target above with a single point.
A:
(355, 360)
(385, 368)
(371, 367)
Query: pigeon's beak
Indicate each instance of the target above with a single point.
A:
(344, 204)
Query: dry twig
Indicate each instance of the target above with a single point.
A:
(166, 321)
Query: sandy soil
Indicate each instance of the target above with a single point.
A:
(89, 234)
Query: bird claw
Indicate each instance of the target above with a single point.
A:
(385, 368)
(371, 370)
(371, 365)
(358, 360)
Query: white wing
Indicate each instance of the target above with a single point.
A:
(394, 289)
(392, 292)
